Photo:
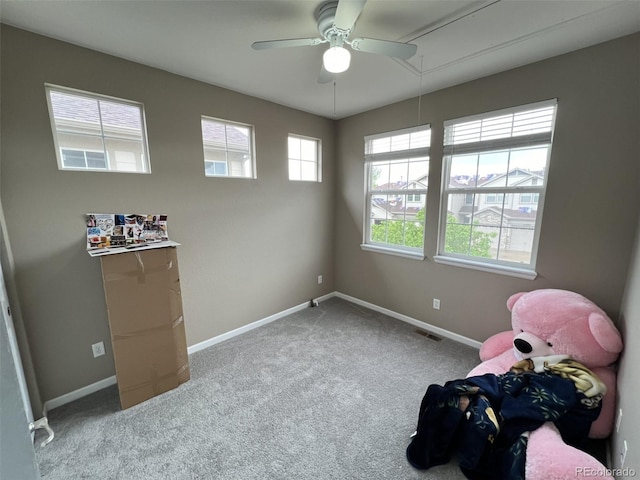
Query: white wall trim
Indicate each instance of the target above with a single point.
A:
(418, 323)
(327, 296)
(79, 393)
(107, 382)
(525, 273)
(239, 331)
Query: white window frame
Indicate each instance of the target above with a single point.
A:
(511, 143)
(84, 152)
(408, 154)
(298, 159)
(111, 163)
(228, 149)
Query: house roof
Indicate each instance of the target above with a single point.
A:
(515, 176)
(219, 134)
(394, 208)
(91, 111)
(524, 213)
(76, 108)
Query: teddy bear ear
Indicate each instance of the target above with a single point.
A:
(605, 333)
(513, 299)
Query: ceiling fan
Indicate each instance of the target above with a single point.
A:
(336, 19)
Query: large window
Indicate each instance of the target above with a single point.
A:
(97, 133)
(228, 148)
(304, 159)
(397, 174)
(494, 178)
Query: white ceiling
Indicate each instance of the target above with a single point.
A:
(458, 41)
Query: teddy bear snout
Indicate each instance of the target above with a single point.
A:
(527, 345)
(522, 345)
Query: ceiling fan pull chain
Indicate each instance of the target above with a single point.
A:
(334, 99)
(420, 91)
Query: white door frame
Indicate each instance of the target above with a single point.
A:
(15, 351)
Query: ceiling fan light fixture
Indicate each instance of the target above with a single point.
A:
(336, 59)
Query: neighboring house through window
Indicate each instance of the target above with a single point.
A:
(228, 148)
(494, 177)
(83, 159)
(304, 158)
(397, 173)
(97, 133)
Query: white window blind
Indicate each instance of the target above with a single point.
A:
(392, 145)
(510, 128)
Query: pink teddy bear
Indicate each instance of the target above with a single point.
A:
(553, 322)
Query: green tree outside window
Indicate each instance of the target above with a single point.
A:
(459, 238)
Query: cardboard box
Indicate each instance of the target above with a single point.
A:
(144, 303)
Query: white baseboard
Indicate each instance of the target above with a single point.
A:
(239, 331)
(417, 323)
(76, 394)
(326, 297)
(99, 385)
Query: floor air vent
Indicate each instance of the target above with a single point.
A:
(430, 336)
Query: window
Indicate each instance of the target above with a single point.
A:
(97, 133)
(397, 174)
(494, 178)
(304, 159)
(228, 148)
(494, 198)
(83, 159)
(529, 198)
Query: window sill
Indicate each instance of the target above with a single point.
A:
(392, 251)
(525, 273)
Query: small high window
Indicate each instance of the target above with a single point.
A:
(228, 148)
(304, 159)
(97, 133)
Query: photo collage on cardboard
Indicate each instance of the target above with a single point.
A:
(108, 230)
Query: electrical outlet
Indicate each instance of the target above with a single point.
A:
(436, 303)
(98, 349)
(319, 279)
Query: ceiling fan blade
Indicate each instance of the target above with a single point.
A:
(384, 47)
(292, 42)
(347, 13)
(325, 76)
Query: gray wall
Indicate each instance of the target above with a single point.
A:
(628, 373)
(588, 235)
(592, 197)
(253, 248)
(250, 248)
